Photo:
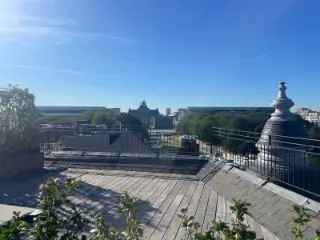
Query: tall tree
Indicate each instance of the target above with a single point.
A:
(18, 117)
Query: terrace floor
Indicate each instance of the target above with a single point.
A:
(161, 196)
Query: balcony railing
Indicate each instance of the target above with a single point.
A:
(292, 162)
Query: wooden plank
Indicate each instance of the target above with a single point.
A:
(158, 202)
(145, 192)
(114, 180)
(267, 235)
(156, 218)
(211, 211)
(124, 186)
(118, 187)
(202, 208)
(176, 222)
(99, 204)
(146, 210)
(254, 226)
(168, 214)
(229, 215)
(221, 209)
(156, 187)
(86, 195)
(109, 181)
(192, 208)
(139, 186)
(132, 182)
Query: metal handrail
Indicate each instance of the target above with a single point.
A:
(272, 135)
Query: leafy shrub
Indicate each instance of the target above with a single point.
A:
(60, 219)
(14, 229)
(18, 115)
(238, 230)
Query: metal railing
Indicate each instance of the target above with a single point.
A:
(288, 161)
(156, 144)
(47, 148)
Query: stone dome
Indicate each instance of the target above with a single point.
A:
(282, 122)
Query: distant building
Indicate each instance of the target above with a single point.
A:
(73, 110)
(151, 118)
(178, 116)
(168, 112)
(310, 115)
(122, 142)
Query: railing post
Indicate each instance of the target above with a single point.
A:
(269, 139)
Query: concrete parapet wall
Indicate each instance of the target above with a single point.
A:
(13, 165)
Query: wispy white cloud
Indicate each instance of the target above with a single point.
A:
(98, 77)
(60, 30)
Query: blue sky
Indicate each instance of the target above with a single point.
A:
(172, 53)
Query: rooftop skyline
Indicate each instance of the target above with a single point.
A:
(170, 53)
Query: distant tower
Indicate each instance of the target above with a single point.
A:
(144, 104)
(282, 122)
(168, 111)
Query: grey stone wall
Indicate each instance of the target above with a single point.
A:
(13, 165)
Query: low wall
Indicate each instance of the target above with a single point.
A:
(12, 165)
(178, 164)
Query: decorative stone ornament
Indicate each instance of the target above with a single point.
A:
(282, 105)
(282, 133)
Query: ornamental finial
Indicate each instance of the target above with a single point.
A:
(282, 103)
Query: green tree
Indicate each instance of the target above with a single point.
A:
(202, 125)
(103, 117)
(18, 121)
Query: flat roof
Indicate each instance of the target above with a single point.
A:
(53, 109)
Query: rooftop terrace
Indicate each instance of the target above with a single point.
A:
(207, 196)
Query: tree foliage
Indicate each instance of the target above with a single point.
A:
(201, 126)
(18, 121)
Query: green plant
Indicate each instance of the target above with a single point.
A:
(192, 228)
(237, 230)
(103, 232)
(300, 221)
(14, 229)
(133, 230)
(128, 209)
(50, 224)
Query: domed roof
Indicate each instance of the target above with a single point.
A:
(282, 122)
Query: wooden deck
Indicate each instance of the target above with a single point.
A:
(161, 197)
